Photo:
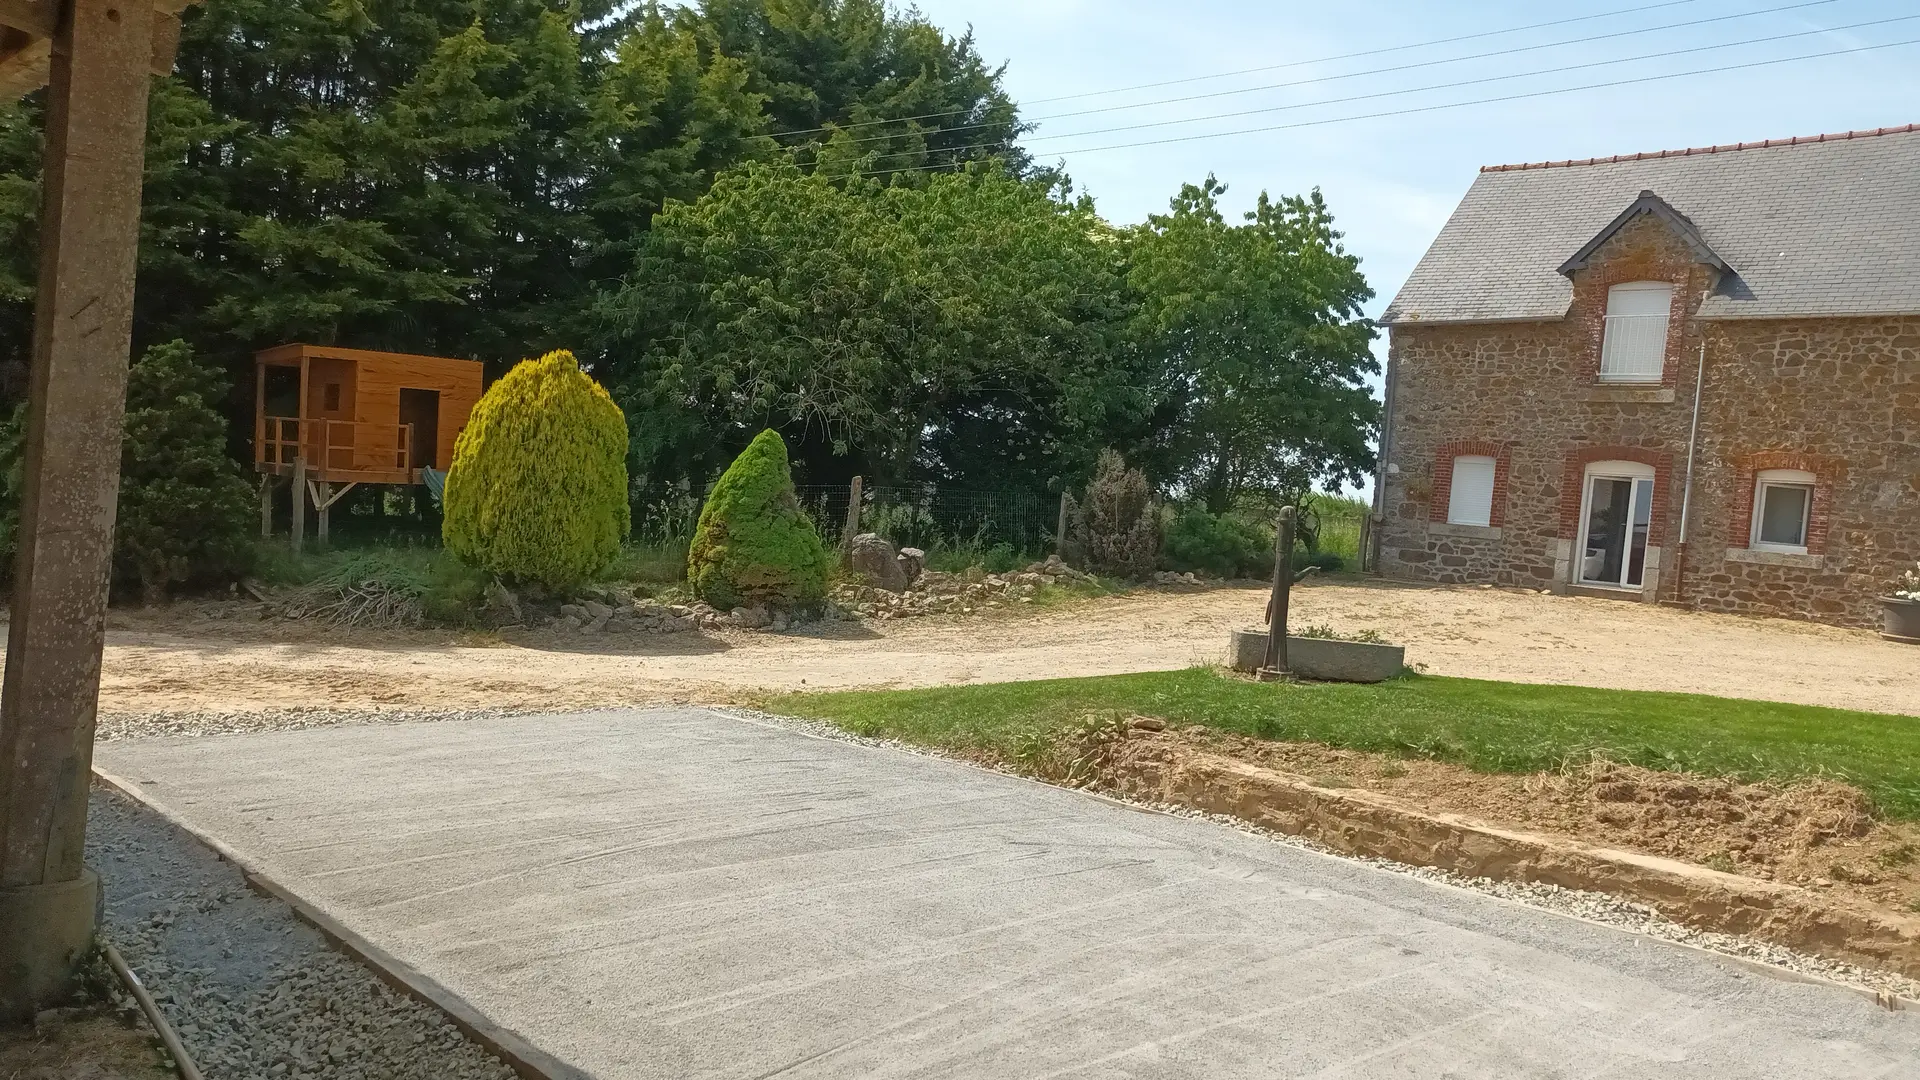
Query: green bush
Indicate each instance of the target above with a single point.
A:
(537, 492)
(186, 511)
(1223, 545)
(753, 544)
(1121, 520)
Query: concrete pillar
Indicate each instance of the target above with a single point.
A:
(83, 318)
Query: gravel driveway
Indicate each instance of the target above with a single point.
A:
(677, 893)
(177, 662)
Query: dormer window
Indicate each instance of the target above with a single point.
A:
(1635, 346)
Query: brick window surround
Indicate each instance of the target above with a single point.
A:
(1590, 301)
(1827, 471)
(1573, 492)
(1502, 455)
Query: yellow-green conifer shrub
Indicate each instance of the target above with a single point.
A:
(753, 544)
(538, 487)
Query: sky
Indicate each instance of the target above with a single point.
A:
(1391, 181)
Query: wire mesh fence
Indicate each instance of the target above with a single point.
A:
(934, 516)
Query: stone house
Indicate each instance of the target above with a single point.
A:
(1689, 377)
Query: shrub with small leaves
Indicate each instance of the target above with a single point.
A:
(537, 492)
(1121, 520)
(185, 508)
(754, 545)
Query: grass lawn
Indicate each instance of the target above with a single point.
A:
(1489, 726)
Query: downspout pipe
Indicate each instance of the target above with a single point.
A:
(1686, 491)
(1371, 555)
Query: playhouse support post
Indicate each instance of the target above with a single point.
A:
(299, 502)
(266, 506)
(323, 501)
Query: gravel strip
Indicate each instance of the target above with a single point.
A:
(113, 726)
(253, 992)
(1596, 907)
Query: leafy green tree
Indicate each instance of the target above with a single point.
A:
(753, 544)
(1256, 332)
(876, 323)
(537, 491)
(185, 509)
(854, 85)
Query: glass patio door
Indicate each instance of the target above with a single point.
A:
(1614, 531)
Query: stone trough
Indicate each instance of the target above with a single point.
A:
(1325, 659)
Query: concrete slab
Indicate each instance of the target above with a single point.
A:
(677, 893)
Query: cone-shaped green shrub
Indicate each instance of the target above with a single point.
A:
(753, 544)
(538, 487)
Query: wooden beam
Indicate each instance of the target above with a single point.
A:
(25, 68)
(37, 17)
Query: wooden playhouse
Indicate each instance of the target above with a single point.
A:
(329, 419)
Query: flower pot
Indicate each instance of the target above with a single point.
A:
(1900, 620)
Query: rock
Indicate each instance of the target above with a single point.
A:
(779, 622)
(679, 611)
(502, 601)
(567, 624)
(753, 618)
(874, 559)
(1147, 723)
(912, 561)
(597, 611)
(575, 612)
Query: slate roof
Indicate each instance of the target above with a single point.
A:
(1821, 226)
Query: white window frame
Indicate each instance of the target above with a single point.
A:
(1638, 473)
(1781, 478)
(1630, 339)
(1458, 514)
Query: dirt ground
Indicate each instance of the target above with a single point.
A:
(221, 656)
(82, 1044)
(1820, 833)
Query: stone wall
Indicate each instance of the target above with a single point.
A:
(1839, 398)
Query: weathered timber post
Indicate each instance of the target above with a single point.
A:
(851, 528)
(1275, 668)
(323, 501)
(96, 116)
(266, 506)
(299, 502)
(1060, 527)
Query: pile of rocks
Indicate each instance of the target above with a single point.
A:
(630, 615)
(973, 592)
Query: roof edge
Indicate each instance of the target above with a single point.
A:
(1724, 148)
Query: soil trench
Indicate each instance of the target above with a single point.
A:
(1827, 877)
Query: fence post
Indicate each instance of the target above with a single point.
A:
(299, 502)
(1060, 529)
(852, 528)
(1275, 668)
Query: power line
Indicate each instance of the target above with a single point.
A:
(1480, 81)
(1428, 88)
(1440, 108)
(1385, 71)
(1437, 63)
(1329, 59)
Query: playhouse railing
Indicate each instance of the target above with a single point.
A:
(335, 445)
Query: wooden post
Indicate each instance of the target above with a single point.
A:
(299, 502)
(323, 501)
(1275, 669)
(266, 506)
(852, 527)
(96, 116)
(1060, 529)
